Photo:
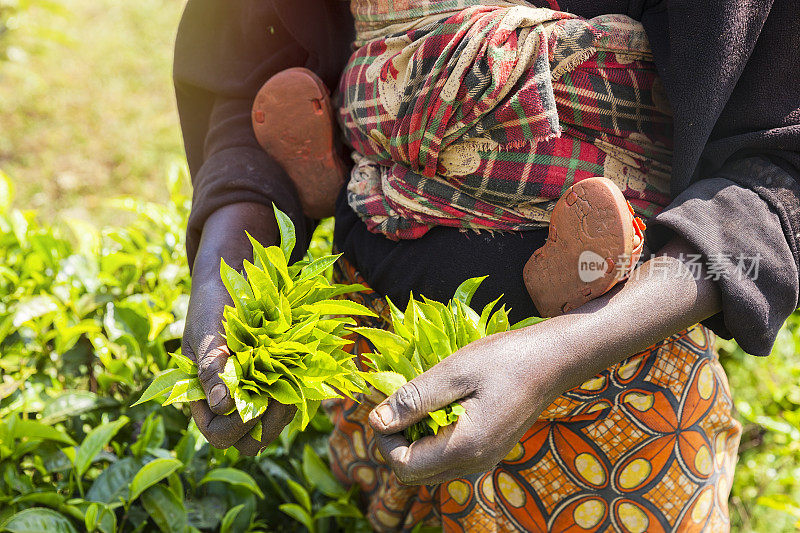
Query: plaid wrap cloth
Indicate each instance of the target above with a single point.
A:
(479, 115)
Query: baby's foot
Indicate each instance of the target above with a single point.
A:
(594, 242)
(293, 122)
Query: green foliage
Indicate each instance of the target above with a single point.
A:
(766, 491)
(16, 13)
(425, 334)
(284, 345)
(88, 317)
(9, 13)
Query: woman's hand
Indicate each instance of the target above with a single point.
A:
(506, 380)
(502, 386)
(224, 237)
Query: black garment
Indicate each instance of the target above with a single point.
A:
(436, 263)
(730, 70)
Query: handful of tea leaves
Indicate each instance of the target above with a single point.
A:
(425, 334)
(283, 343)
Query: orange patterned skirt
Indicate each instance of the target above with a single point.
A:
(647, 445)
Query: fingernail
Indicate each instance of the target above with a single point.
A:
(217, 394)
(385, 414)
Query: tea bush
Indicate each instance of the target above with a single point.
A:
(88, 317)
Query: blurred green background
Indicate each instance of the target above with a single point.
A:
(87, 114)
(87, 104)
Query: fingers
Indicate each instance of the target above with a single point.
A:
(461, 448)
(274, 420)
(428, 462)
(226, 431)
(203, 341)
(220, 431)
(414, 400)
(272, 423)
(420, 460)
(210, 363)
(247, 445)
(448, 475)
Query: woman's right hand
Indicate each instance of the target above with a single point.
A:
(224, 237)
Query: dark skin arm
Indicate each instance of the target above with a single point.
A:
(528, 368)
(224, 237)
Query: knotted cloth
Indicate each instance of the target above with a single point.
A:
(479, 115)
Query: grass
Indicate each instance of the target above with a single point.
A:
(88, 108)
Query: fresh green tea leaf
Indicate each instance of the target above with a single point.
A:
(320, 475)
(50, 499)
(228, 519)
(95, 441)
(317, 266)
(300, 494)
(32, 429)
(439, 416)
(150, 474)
(39, 520)
(68, 404)
(386, 382)
(299, 514)
(282, 346)
(530, 321)
(286, 229)
(234, 477)
(337, 307)
(467, 289)
(163, 383)
(100, 518)
(424, 334)
(165, 509)
(184, 363)
(237, 286)
(186, 390)
(338, 510)
(151, 435)
(256, 431)
(112, 485)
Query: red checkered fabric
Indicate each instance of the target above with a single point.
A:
(483, 118)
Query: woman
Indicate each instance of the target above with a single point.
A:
(718, 63)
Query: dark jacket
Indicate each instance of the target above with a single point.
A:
(731, 70)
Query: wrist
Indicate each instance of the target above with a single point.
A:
(539, 362)
(225, 237)
(659, 300)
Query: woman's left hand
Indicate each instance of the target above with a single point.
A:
(503, 383)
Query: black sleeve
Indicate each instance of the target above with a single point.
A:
(730, 69)
(224, 52)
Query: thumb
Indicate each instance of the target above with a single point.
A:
(414, 400)
(210, 363)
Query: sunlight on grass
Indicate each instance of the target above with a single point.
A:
(88, 110)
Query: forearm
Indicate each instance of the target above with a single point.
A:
(663, 296)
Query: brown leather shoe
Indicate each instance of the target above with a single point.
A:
(594, 242)
(293, 122)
